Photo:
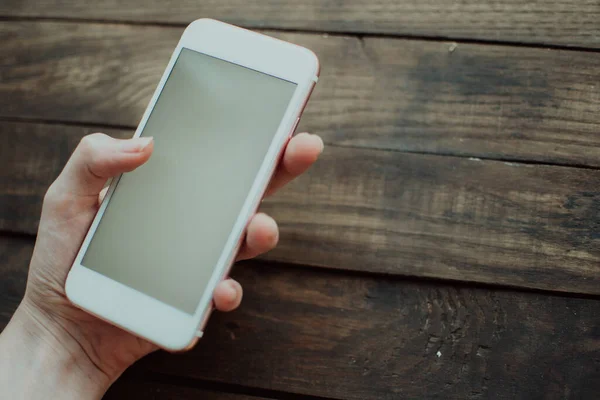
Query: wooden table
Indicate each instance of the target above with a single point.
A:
(447, 245)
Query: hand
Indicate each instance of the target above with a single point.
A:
(47, 321)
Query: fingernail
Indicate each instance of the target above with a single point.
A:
(231, 291)
(136, 145)
(321, 144)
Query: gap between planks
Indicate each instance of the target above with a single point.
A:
(221, 387)
(357, 34)
(431, 281)
(470, 156)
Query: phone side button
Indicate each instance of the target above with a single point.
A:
(294, 127)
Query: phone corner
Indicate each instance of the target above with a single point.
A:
(313, 59)
(182, 346)
(69, 288)
(200, 23)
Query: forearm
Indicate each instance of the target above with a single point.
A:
(35, 364)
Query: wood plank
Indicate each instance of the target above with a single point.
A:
(559, 22)
(442, 217)
(382, 211)
(323, 333)
(482, 101)
(147, 390)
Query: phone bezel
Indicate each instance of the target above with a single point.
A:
(136, 312)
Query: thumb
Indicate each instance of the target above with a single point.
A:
(99, 157)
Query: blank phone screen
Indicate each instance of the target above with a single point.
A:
(168, 221)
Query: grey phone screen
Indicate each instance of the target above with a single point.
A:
(168, 221)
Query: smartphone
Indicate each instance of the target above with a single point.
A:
(168, 232)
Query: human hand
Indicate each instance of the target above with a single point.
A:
(47, 321)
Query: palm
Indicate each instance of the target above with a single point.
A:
(60, 235)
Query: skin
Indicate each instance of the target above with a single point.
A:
(50, 349)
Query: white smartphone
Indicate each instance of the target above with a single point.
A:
(168, 232)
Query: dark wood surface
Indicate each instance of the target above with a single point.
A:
(499, 102)
(459, 148)
(562, 22)
(315, 332)
(383, 211)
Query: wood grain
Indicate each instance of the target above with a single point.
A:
(383, 211)
(322, 333)
(497, 102)
(444, 217)
(559, 22)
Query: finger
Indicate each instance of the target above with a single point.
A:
(99, 157)
(301, 152)
(262, 235)
(228, 295)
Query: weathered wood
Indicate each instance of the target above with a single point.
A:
(127, 389)
(317, 332)
(383, 211)
(444, 217)
(561, 22)
(483, 101)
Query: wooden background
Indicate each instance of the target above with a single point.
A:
(447, 244)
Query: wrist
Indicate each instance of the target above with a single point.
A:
(41, 360)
